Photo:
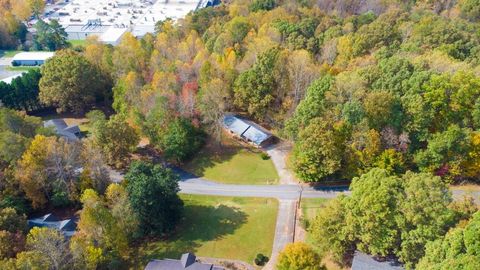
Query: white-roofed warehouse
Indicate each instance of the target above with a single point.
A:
(31, 58)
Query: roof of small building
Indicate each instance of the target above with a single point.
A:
(62, 129)
(188, 261)
(11, 78)
(246, 129)
(58, 124)
(113, 35)
(67, 226)
(362, 261)
(33, 56)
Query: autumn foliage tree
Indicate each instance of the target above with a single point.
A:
(299, 256)
(71, 83)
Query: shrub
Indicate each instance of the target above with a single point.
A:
(264, 156)
(261, 259)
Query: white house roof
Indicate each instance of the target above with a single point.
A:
(11, 78)
(32, 56)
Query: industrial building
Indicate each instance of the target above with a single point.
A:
(31, 58)
(111, 19)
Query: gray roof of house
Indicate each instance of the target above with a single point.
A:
(188, 261)
(59, 124)
(62, 129)
(362, 261)
(246, 129)
(67, 226)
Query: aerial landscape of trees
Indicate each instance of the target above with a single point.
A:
(381, 95)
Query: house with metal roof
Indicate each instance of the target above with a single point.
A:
(362, 261)
(66, 226)
(71, 133)
(247, 130)
(31, 58)
(188, 261)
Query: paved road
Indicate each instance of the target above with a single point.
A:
(192, 184)
(287, 194)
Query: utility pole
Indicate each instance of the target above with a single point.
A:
(300, 197)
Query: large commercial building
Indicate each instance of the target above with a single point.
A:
(31, 58)
(111, 19)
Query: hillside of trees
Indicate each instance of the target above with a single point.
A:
(388, 84)
(383, 94)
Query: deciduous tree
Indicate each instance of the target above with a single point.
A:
(70, 83)
(116, 139)
(152, 190)
(299, 256)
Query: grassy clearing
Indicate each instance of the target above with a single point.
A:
(310, 208)
(220, 227)
(80, 42)
(9, 53)
(232, 164)
(21, 68)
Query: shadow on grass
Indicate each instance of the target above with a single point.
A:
(199, 225)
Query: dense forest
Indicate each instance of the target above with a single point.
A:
(382, 94)
(360, 85)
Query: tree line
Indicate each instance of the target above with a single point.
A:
(41, 171)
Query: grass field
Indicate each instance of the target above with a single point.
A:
(21, 68)
(233, 164)
(9, 53)
(220, 227)
(80, 42)
(310, 207)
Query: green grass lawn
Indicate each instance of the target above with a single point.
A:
(220, 227)
(80, 42)
(9, 53)
(310, 207)
(22, 68)
(233, 164)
